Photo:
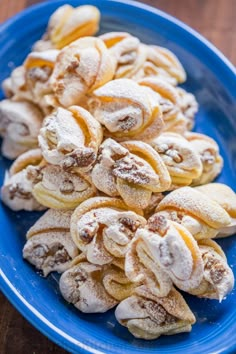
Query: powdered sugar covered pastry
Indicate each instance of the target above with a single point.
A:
(20, 122)
(67, 24)
(38, 69)
(129, 53)
(70, 138)
(162, 63)
(15, 85)
(218, 278)
(80, 68)
(127, 110)
(16, 191)
(169, 102)
(49, 246)
(208, 150)
(180, 158)
(142, 268)
(133, 170)
(153, 203)
(226, 198)
(59, 189)
(188, 105)
(202, 216)
(148, 317)
(174, 249)
(82, 285)
(103, 227)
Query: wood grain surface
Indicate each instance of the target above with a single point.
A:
(214, 19)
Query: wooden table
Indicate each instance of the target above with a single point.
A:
(215, 19)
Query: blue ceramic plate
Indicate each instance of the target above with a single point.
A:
(212, 79)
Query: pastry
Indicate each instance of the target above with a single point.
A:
(133, 170)
(148, 317)
(218, 278)
(226, 198)
(129, 53)
(59, 189)
(127, 110)
(163, 63)
(70, 138)
(202, 216)
(49, 246)
(169, 102)
(16, 191)
(19, 127)
(180, 158)
(208, 150)
(103, 227)
(82, 286)
(67, 24)
(80, 68)
(143, 270)
(172, 247)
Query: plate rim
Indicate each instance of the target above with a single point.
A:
(11, 293)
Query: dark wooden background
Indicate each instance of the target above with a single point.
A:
(215, 19)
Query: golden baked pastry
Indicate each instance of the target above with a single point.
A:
(226, 198)
(133, 170)
(82, 285)
(16, 191)
(70, 138)
(148, 317)
(174, 249)
(129, 53)
(164, 64)
(81, 67)
(127, 110)
(202, 216)
(49, 246)
(59, 189)
(182, 161)
(208, 150)
(143, 269)
(67, 24)
(169, 102)
(20, 122)
(218, 278)
(103, 227)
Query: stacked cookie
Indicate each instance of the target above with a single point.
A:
(102, 137)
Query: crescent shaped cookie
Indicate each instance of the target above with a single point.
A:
(127, 110)
(218, 278)
(70, 138)
(103, 227)
(169, 102)
(148, 317)
(174, 249)
(80, 68)
(208, 150)
(67, 24)
(226, 198)
(203, 217)
(82, 286)
(133, 170)
(143, 270)
(129, 53)
(49, 246)
(20, 123)
(59, 189)
(16, 191)
(180, 158)
(163, 64)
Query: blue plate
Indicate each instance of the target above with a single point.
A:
(212, 79)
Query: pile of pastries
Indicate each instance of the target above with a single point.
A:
(101, 136)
